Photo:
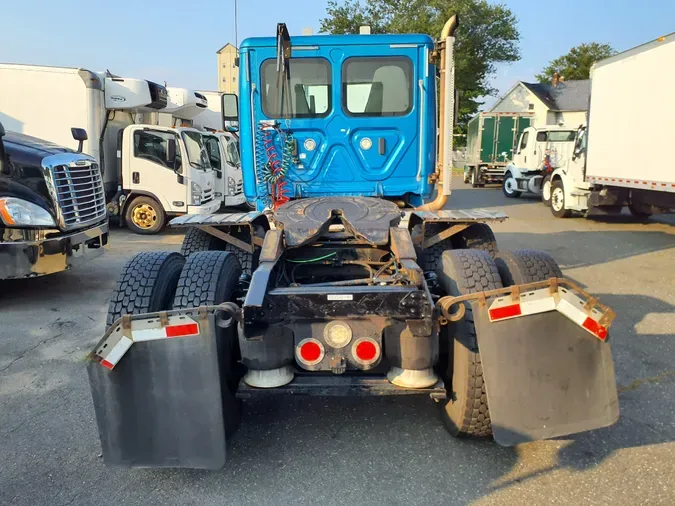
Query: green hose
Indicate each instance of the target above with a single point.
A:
(310, 260)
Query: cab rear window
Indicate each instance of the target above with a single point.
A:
(377, 86)
(308, 95)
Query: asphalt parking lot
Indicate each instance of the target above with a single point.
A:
(353, 450)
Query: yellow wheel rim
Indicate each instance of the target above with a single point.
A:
(144, 216)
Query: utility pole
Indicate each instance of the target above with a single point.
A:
(236, 34)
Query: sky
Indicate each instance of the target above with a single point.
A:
(175, 41)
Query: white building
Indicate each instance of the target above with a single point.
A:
(556, 103)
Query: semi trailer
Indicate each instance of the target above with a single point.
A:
(144, 186)
(52, 206)
(615, 161)
(348, 280)
(491, 141)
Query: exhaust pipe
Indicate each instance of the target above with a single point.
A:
(446, 119)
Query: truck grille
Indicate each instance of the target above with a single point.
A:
(79, 194)
(207, 196)
(240, 188)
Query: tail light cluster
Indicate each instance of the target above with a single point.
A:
(337, 347)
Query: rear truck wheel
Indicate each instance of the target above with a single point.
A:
(546, 190)
(477, 236)
(466, 176)
(638, 211)
(147, 284)
(210, 278)
(196, 240)
(144, 215)
(475, 177)
(510, 186)
(526, 266)
(558, 200)
(466, 414)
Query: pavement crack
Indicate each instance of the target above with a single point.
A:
(28, 350)
(643, 381)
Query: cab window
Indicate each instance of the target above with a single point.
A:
(213, 151)
(377, 86)
(306, 95)
(232, 153)
(523, 141)
(151, 145)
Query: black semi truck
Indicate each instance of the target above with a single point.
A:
(52, 206)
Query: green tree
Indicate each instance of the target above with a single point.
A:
(577, 63)
(487, 35)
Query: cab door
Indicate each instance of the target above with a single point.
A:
(148, 169)
(525, 157)
(355, 116)
(217, 163)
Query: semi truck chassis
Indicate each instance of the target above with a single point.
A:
(345, 296)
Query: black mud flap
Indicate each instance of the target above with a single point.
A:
(545, 377)
(163, 404)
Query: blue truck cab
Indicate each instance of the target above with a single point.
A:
(361, 110)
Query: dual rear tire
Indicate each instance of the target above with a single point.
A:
(160, 281)
(466, 412)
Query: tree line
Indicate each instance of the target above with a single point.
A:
(488, 35)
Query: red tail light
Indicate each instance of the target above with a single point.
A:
(366, 351)
(309, 352)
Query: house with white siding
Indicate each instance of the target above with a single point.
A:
(556, 103)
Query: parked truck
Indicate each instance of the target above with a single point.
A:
(539, 152)
(145, 185)
(491, 141)
(335, 293)
(52, 207)
(615, 160)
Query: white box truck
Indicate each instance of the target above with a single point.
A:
(621, 158)
(165, 172)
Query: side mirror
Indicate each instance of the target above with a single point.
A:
(80, 135)
(171, 153)
(230, 108)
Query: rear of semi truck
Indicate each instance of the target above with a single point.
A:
(338, 295)
(491, 144)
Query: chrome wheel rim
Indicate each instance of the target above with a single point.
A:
(510, 185)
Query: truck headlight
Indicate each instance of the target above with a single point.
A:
(195, 194)
(19, 212)
(231, 186)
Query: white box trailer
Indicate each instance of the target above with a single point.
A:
(622, 157)
(631, 124)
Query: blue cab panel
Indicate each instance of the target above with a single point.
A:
(361, 108)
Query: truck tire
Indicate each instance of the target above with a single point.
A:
(147, 284)
(510, 186)
(546, 190)
(638, 211)
(210, 278)
(526, 266)
(477, 236)
(196, 240)
(475, 178)
(558, 200)
(144, 215)
(466, 414)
